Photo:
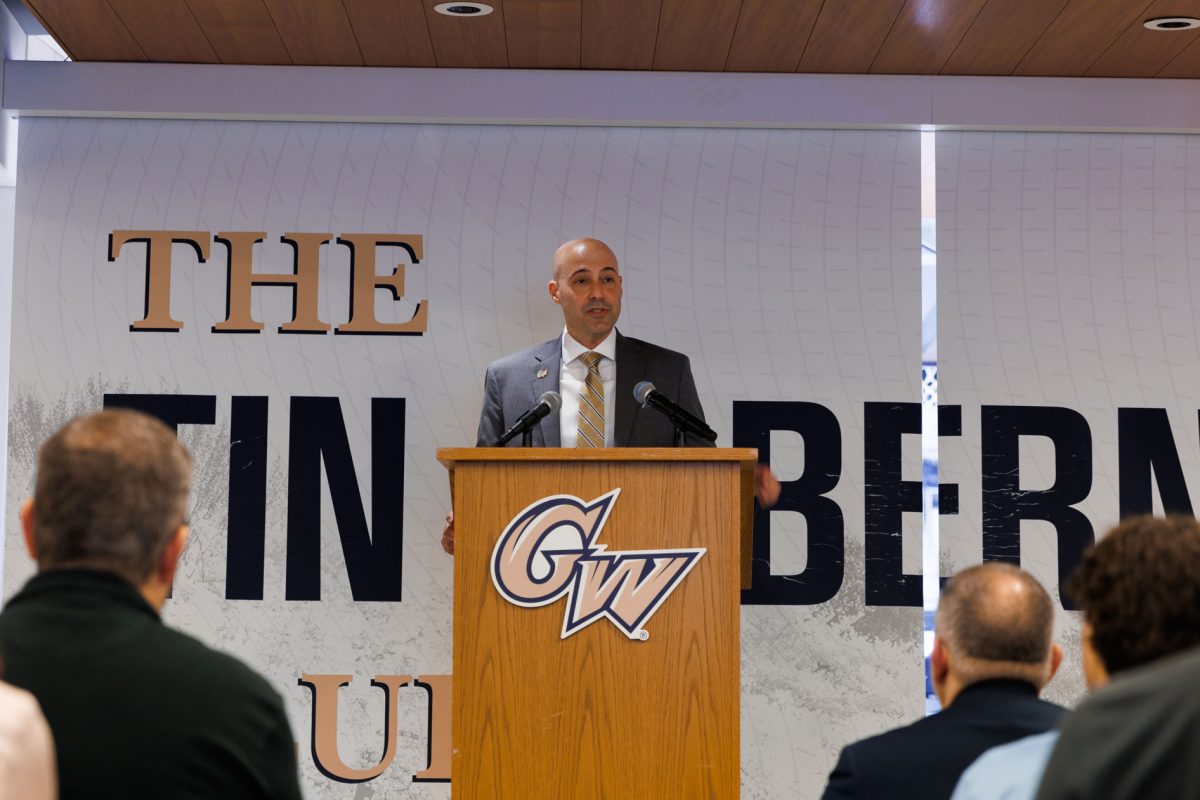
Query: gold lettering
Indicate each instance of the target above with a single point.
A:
(364, 281)
(303, 281)
(158, 271)
(439, 689)
(324, 729)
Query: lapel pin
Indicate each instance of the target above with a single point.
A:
(542, 372)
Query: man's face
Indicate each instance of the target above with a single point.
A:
(588, 287)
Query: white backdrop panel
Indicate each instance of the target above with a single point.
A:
(1066, 278)
(785, 263)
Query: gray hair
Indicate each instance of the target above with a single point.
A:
(999, 622)
(111, 490)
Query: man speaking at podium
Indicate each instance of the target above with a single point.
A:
(591, 366)
(589, 373)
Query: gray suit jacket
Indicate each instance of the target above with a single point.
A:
(1136, 738)
(512, 387)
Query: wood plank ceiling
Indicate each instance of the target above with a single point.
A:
(1097, 38)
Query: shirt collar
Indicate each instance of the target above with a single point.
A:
(572, 349)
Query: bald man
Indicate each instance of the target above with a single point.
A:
(586, 284)
(992, 656)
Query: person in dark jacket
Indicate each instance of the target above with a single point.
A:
(136, 709)
(992, 655)
(1139, 589)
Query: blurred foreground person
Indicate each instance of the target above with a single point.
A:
(137, 710)
(1138, 738)
(26, 748)
(992, 656)
(1139, 589)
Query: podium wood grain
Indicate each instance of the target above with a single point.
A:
(598, 715)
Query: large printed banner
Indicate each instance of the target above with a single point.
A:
(314, 305)
(1068, 344)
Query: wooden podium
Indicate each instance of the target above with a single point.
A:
(543, 713)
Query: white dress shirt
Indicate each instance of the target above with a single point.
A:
(571, 376)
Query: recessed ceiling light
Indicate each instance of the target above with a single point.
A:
(463, 9)
(1172, 23)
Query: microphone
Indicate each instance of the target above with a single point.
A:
(681, 418)
(547, 404)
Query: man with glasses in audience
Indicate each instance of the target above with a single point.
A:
(136, 709)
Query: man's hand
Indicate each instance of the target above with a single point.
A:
(766, 492)
(448, 531)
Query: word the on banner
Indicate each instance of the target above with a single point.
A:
(303, 280)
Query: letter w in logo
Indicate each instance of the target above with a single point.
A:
(549, 551)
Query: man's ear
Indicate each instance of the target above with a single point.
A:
(1056, 657)
(552, 287)
(27, 528)
(939, 662)
(169, 560)
(1095, 674)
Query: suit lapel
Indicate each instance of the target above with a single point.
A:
(544, 377)
(631, 369)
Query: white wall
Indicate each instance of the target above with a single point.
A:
(8, 196)
(12, 45)
(541, 97)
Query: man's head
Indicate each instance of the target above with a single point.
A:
(587, 284)
(111, 495)
(993, 621)
(1139, 589)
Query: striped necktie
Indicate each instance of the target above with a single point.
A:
(591, 404)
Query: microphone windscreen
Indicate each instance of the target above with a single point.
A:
(551, 399)
(642, 391)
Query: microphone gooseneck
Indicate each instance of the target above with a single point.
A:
(647, 396)
(547, 404)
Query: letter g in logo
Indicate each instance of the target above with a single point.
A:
(549, 550)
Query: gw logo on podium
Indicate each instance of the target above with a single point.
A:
(549, 550)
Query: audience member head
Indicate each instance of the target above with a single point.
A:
(994, 621)
(1139, 588)
(111, 494)
(587, 285)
